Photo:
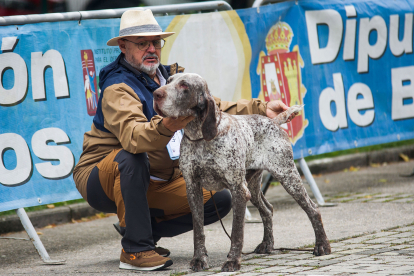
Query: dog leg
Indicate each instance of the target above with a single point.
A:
(238, 203)
(292, 183)
(254, 179)
(195, 200)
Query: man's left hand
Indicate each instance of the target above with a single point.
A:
(276, 107)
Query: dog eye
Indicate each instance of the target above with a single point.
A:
(183, 85)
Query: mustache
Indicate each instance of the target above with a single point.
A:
(150, 55)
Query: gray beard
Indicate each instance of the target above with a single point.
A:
(148, 69)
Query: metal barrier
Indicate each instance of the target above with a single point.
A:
(81, 15)
(258, 3)
(112, 13)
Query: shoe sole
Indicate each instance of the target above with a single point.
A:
(165, 255)
(132, 267)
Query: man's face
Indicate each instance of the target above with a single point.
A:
(144, 60)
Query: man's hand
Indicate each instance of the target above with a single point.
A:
(276, 107)
(176, 124)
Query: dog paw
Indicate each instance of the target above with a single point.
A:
(322, 248)
(264, 248)
(198, 264)
(230, 266)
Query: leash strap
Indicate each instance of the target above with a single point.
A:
(279, 249)
(215, 206)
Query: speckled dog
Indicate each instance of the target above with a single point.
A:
(222, 151)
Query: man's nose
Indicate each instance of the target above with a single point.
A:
(151, 47)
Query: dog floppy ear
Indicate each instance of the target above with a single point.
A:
(209, 126)
(207, 112)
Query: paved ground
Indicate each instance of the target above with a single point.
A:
(389, 252)
(371, 229)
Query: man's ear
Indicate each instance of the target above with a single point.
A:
(121, 45)
(209, 126)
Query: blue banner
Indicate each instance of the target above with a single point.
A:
(355, 69)
(48, 99)
(351, 64)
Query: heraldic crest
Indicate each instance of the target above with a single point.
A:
(280, 75)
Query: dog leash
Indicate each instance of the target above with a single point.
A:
(280, 248)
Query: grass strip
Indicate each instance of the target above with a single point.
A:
(43, 207)
(360, 150)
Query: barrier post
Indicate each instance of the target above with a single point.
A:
(309, 179)
(313, 185)
(31, 232)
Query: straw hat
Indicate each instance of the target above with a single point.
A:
(138, 23)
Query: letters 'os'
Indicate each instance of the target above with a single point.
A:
(23, 170)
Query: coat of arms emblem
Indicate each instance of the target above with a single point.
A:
(90, 83)
(280, 75)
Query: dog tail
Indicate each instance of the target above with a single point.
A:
(284, 116)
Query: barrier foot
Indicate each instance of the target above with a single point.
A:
(31, 232)
(247, 215)
(266, 183)
(313, 185)
(408, 175)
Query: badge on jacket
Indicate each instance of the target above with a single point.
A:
(173, 146)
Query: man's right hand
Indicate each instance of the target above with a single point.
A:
(176, 124)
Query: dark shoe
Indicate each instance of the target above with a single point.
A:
(146, 261)
(161, 251)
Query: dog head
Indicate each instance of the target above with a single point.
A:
(187, 95)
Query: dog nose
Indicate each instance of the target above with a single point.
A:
(159, 94)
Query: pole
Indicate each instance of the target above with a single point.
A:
(28, 226)
(312, 184)
(112, 13)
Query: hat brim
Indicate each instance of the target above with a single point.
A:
(114, 41)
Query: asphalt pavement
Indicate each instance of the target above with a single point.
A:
(371, 231)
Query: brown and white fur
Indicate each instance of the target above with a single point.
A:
(231, 153)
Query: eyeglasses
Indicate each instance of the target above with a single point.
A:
(144, 45)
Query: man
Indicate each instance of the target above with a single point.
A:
(125, 167)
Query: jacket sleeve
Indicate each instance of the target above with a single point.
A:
(124, 117)
(242, 106)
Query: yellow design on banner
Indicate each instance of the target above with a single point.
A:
(225, 65)
(244, 51)
(175, 26)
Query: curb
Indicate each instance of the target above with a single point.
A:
(65, 214)
(328, 165)
(58, 215)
